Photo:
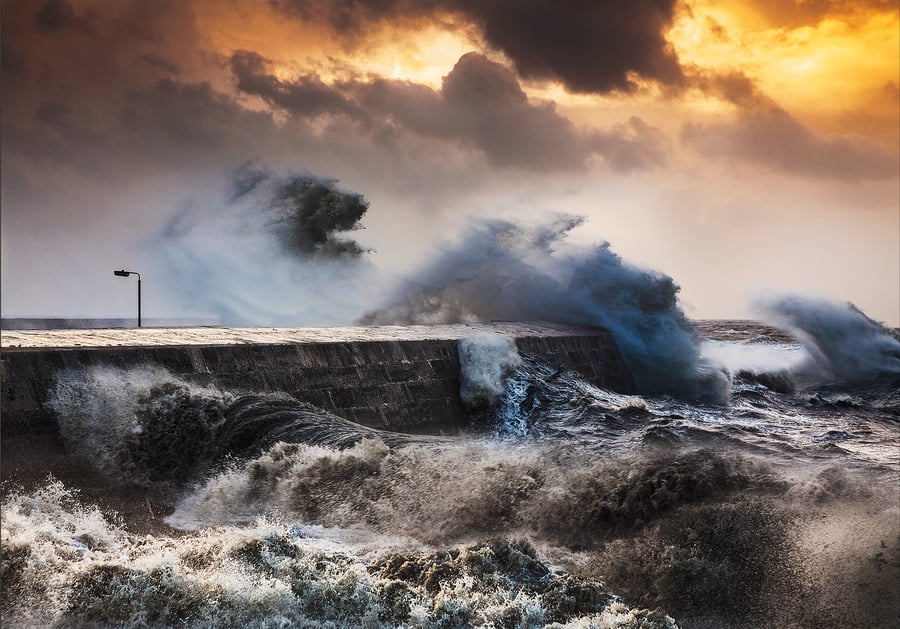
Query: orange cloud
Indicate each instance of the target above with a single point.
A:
(837, 59)
(416, 51)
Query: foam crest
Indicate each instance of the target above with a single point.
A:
(46, 536)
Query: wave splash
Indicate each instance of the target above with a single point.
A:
(843, 344)
(505, 271)
(486, 362)
(145, 427)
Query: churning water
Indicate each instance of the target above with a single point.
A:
(565, 505)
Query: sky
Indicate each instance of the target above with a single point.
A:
(742, 147)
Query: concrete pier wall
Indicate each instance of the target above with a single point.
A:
(397, 378)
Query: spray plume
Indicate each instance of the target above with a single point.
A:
(501, 270)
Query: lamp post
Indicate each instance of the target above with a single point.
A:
(124, 273)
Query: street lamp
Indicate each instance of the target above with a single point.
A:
(124, 273)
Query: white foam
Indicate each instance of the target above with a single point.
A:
(756, 358)
(486, 361)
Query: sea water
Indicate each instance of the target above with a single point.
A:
(774, 502)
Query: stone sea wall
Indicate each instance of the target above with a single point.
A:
(403, 379)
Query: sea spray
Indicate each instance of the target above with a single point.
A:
(842, 342)
(275, 251)
(456, 491)
(139, 426)
(486, 361)
(501, 270)
(270, 249)
(47, 535)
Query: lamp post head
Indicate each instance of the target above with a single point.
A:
(124, 273)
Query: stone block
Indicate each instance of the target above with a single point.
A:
(444, 368)
(410, 384)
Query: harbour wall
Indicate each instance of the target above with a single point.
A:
(395, 378)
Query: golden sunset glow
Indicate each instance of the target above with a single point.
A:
(817, 71)
(422, 53)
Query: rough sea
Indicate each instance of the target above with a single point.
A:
(774, 503)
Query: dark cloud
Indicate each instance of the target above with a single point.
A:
(94, 67)
(130, 93)
(54, 14)
(187, 115)
(480, 105)
(98, 110)
(158, 61)
(477, 80)
(52, 112)
(735, 87)
(632, 146)
(772, 138)
(12, 62)
(765, 134)
(170, 125)
(589, 45)
(306, 95)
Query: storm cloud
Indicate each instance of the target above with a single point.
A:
(770, 137)
(590, 46)
(480, 105)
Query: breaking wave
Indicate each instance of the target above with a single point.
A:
(455, 492)
(501, 270)
(145, 427)
(842, 343)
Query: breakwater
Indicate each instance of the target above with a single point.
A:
(401, 378)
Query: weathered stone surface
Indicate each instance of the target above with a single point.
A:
(399, 378)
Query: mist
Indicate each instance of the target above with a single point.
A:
(269, 250)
